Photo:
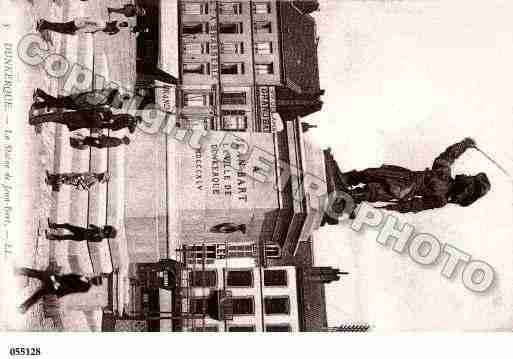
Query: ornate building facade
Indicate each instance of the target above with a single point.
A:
(235, 215)
(245, 63)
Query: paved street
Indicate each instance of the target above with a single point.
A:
(49, 150)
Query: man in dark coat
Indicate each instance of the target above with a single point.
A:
(81, 142)
(121, 121)
(82, 101)
(59, 285)
(99, 118)
(414, 191)
(81, 25)
(91, 234)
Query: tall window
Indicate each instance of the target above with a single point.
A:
(278, 328)
(263, 27)
(195, 28)
(230, 28)
(243, 305)
(234, 120)
(195, 99)
(198, 305)
(239, 250)
(264, 48)
(230, 8)
(232, 47)
(195, 8)
(196, 68)
(195, 121)
(239, 278)
(264, 69)
(276, 305)
(198, 252)
(275, 278)
(272, 251)
(241, 328)
(233, 98)
(232, 68)
(196, 48)
(262, 8)
(203, 279)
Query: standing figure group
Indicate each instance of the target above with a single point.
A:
(87, 110)
(80, 181)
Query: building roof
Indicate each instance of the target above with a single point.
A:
(311, 294)
(299, 49)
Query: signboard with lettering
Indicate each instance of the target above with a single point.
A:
(267, 106)
(218, 176)
(214, 40)
(218, 185)
(213, 28)
(166, 98)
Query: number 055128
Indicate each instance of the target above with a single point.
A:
(24, 351)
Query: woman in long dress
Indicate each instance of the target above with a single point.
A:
(81, 181)
(97, 119)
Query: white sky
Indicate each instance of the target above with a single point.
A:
(404, 80)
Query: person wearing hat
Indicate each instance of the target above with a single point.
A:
(81, 181)
(80, 142)
(81, 101)
(90, 234)
(405, 190)
(96, 119)
(56, 284)
(81, 25)
(129, 10)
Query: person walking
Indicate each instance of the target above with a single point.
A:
(92, 233)
(81, 25)
(80, 181)
(128, 10)
(82, 101)
(56, 284)
(80, 142)
(98, 119)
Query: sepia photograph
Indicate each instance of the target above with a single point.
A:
(322, 166)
